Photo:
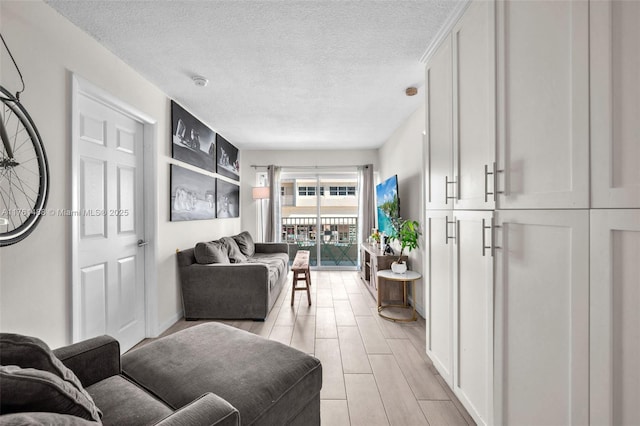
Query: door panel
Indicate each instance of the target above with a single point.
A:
(440, 292)
(615, 318)
(473, 314)
(110, 219)
(439, 143)
(543, 104)
(542, 317)
(474, 134)
(615, 103)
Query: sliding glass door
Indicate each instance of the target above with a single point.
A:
(320, 214)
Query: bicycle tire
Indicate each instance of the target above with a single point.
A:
(31, 209)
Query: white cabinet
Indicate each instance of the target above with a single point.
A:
(438, 147)
(474, 128)
(438, 229)
(615, 317)
(543, 104)
(542, 317)
(615, 103)
(460, 108)
(473, 313)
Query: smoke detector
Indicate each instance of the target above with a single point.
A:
(199, 80)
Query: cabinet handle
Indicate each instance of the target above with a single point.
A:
(495, 182)
(484, 243)
(446, 189)
(494, 227)
(446, 230)
(493, 173)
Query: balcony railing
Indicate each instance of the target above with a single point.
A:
(338, 239)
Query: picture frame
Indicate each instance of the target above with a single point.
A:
(227, 199)
(193, 195)
(193, 142)
(227, 163)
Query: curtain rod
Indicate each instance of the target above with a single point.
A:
(255, 166)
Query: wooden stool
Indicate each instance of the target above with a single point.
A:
(301, 272)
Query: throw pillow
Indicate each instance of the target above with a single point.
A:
(31, 352)
(28, 389)
(235, 255)
(246, 244)
(211, 252)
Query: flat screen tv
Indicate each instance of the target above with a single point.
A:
(388, 204)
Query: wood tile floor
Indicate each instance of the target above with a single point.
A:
(375, 372)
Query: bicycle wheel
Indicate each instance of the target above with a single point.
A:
(24, 172)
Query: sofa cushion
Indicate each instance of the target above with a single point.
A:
(276, 262)
(124, 403)
(245, 243)
(233, 251)
(29, 389)
(211, 252)
(31, 352)
(268, 382)
(43, 419)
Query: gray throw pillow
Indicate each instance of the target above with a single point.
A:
(211, 252)
(28, 389)
(31, 352)
(245, 242)
(235, 255)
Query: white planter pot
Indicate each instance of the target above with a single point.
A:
(399, 268)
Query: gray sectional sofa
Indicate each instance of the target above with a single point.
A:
(209, 374)
(232, 278)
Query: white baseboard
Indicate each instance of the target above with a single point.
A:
(169, 322)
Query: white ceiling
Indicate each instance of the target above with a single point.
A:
(282, 74)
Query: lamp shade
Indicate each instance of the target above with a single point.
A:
(260, 192)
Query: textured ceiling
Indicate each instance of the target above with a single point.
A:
(282, 74)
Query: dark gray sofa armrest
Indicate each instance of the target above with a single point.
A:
(92, 360)
(272, 248)
(208, 410)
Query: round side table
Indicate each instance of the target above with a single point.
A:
(406, 278)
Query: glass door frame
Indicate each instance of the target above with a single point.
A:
(297, 174)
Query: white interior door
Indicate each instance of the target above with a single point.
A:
(615, 318)
(109, 281)
(542, 317)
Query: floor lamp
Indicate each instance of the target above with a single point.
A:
(260, 193)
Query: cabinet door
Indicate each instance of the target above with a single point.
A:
(439, 145)
(543, 104)
(439, 295)
(474, 129)
(615, 103)
(473, 314)
(542, 317)
(615, 317)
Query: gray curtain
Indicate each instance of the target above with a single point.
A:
(273, 213)
(366, 205)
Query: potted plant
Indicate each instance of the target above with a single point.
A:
(407, 233)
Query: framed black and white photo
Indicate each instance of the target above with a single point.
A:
(193, 141)
(227, 155)
(193, 195)
(227, 199)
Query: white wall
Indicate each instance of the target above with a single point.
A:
(311, 158)
(402, 155)
(35, 275)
